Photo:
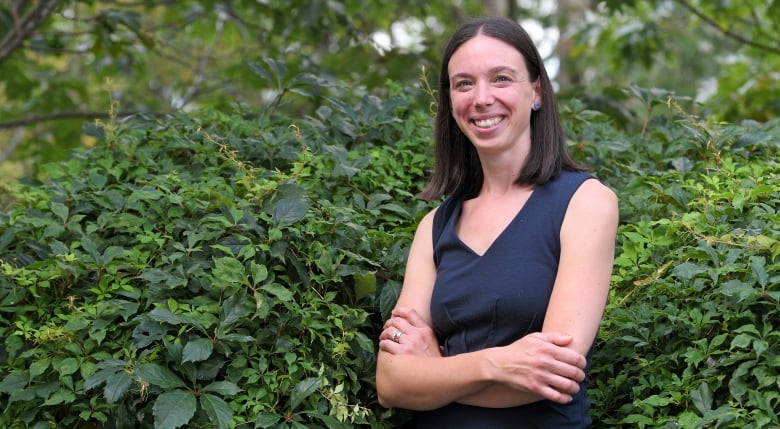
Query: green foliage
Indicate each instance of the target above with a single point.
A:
(210, 271)
(233, 269)
(690, 337)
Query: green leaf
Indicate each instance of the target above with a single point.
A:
(99, 377)
(61, 210)
(741, 341)
(229, 270)
(225, 388)
(702, 398)
(259, 273)
(287, 211)
(14, 381)
(197, 350)
(68, 366)
(61, 396)
(117, 386)
(235, 308)
(217, 410)
(38, 367)
(174, 409)
(302, 390)
(266, 420)
(158, 376)
(278, 291)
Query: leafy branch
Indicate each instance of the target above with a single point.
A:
(728, 33)
(21, 122)
(24, 26)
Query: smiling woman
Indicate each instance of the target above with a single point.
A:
(507, 279)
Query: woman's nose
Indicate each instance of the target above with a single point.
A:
(483, 94)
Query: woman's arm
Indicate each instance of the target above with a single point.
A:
(407, 374)
(582, 282)
(412, 374)
(585, 268)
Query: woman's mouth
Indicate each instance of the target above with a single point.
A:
(488, 122)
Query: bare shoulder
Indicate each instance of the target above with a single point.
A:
(593, 201)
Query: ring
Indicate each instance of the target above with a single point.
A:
(397, 336)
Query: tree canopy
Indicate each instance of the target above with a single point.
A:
(67, 62)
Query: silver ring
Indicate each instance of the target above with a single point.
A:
(397, 336)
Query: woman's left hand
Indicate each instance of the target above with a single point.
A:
(407, 333)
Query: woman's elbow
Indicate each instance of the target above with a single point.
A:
(383, 395)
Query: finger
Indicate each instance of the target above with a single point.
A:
(557, 338)
(389, 333)
(555, 395)
(412, 316)
(389, 346)
(564, 384)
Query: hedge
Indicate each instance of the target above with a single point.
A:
(233, 269)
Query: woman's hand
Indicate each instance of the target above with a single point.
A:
(539, 363)
(407, 333)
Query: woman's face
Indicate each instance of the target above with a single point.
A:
(491, 95)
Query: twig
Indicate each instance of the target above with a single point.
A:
(21, 122)
(23, 29)
(8, 150)
(726, 31)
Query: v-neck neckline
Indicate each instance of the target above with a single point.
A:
(459, 211)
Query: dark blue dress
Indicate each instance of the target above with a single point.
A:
(499, 297)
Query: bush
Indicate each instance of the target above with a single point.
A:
(234, 270)
(210, 271)
(690, 336)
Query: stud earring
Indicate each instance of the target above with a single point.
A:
(537, 105)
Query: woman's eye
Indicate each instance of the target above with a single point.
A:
(462, 84)
(503, 79)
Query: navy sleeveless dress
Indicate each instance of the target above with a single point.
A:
(499, 297)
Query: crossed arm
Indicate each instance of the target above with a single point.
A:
(413, 374)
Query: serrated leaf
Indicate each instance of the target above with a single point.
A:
(68, 366)
(239, 338)
(223, 388)
(38, 367)
(229, 270)
(117, 386)
(702, 398)
(174, 409)
(99, 377)
(61, 396)
(280, 292)
(266, 420)
(235, 308)
(218, 410)
(259, 272)
(158, 376)
(388, 297)
(302, 390)
(61, 210)
(197, 350)
(14, 382)
(287, 211)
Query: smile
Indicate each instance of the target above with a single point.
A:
(487, 123)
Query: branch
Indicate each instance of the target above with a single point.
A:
(8, 150)
(21, 122)
(726, 31)
(24, 29)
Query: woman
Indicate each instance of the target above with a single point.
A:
(506, 281)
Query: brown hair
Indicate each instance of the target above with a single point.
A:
(457, 169)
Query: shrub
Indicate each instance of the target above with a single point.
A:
(234, 270)
(211, 270)
(690, 336)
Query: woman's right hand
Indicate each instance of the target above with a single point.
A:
(415, 338)
(539, 363)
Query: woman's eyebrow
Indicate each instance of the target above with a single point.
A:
(492, 71)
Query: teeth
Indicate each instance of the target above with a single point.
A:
(486, 123)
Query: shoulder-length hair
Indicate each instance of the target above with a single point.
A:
(457, 170)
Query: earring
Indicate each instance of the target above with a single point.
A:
(537, 105)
